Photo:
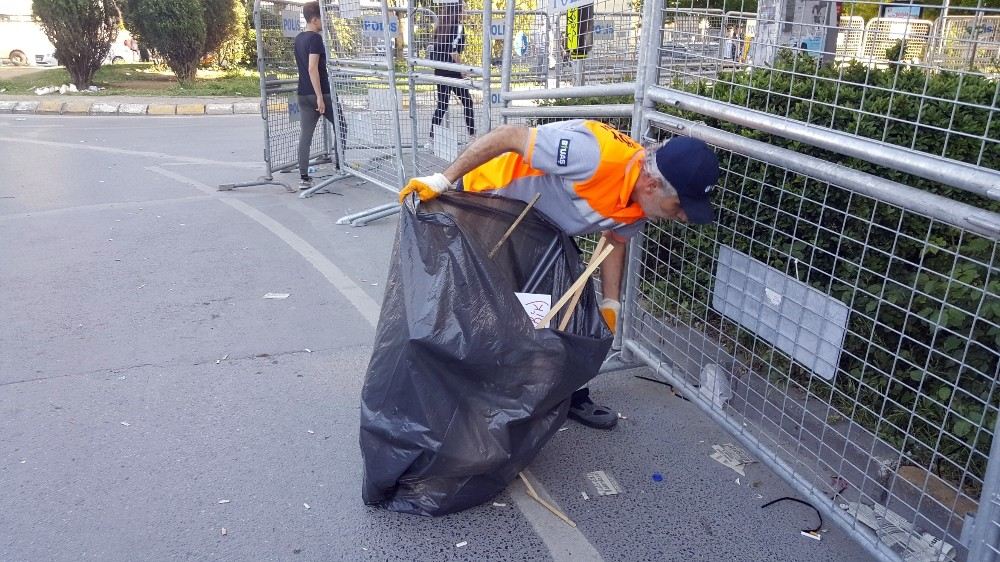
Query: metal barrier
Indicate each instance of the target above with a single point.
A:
(967, 42)
(842, 318)
(278, 98)
(364, 45)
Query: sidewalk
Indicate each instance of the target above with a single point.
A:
(83, 104)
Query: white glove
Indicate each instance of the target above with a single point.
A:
(610, 310)
(427, 187)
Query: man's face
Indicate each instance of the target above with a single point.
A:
(655, 203)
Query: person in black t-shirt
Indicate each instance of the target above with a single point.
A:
(314, 87)
(448, 44)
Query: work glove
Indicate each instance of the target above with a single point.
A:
(610, 310)
(427, 187)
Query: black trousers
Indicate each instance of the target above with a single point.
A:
(444, 97)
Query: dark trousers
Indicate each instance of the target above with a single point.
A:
(443, 97)
(309, 117)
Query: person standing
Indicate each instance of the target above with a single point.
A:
(591, 178)
(313, 91)
(447, 46)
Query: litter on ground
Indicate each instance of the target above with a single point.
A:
(461, 544)
(276, 296)
(732, 456)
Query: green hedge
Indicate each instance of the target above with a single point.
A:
(924, 296)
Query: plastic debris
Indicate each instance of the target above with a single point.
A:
(276, 296)
(126, 424)
(498, 504)
(738, 482)
(657, 477)
(715, 385)
(585, 496)
(621, 417)
(812, 535)
(307, 350)
(901, 535)
(224, 501)
(305, 505)
(461, 544)
(563, 428)
(603, 484)
(224, 531)
(732, 456)
(224, 357)
(310, 432)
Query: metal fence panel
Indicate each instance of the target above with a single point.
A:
(883, 34)
(968, 42)
(364, 45)
(279, 77)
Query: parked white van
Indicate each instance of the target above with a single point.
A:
(22, 42)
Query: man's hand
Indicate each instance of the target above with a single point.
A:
(610, 310)
(321, 105)
(427, 187)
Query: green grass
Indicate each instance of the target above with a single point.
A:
(145, 80)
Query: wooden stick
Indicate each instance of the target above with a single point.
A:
(534, 495)
(576, 296)
(580, 281)
(517, 221)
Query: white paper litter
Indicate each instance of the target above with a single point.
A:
(310, 432)
(224, 501)
(305, 505)
(461, 544)
(276, 296)
(224, 532)
(563, 428)
(585, 496)
(896, 532)
(498, 504)
(732, 456)
(536, 306)
(603, 483)
(126, 424)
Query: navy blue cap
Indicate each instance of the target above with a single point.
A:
(692, 168)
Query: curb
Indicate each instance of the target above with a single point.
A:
(53, 107)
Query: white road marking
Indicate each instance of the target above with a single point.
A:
(353, 292)
(104, 207)
(141, 153)
(565, 543)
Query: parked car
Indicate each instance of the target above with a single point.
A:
(124, 49)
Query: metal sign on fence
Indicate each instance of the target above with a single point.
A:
(291, 22)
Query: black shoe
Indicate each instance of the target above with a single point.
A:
(582, 409)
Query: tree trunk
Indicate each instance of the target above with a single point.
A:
(81, 74)
(185, 71)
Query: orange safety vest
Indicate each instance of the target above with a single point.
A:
(602, 199)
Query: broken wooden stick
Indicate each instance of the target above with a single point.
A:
(534, 495)
(579, 292)
(516, 222)
(580, 281)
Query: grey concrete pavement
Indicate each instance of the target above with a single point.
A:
(144, 379)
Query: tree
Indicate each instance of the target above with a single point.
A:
(81, 31)
(183, 31)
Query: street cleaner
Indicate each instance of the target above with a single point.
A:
(591, 178)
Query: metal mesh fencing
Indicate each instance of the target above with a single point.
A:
(277, 23)
(968, 42)
(367, 94)
(850, 38)
(908, 38)
(848, 338)
(595, 43)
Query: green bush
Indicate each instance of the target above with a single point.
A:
(921, 354)
(81, 31)
(185, 31)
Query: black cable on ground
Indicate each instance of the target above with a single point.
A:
(803, 502)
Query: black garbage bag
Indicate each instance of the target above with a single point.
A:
(462, 391)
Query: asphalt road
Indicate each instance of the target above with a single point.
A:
(150, 397)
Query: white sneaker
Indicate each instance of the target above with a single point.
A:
(305, 183)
